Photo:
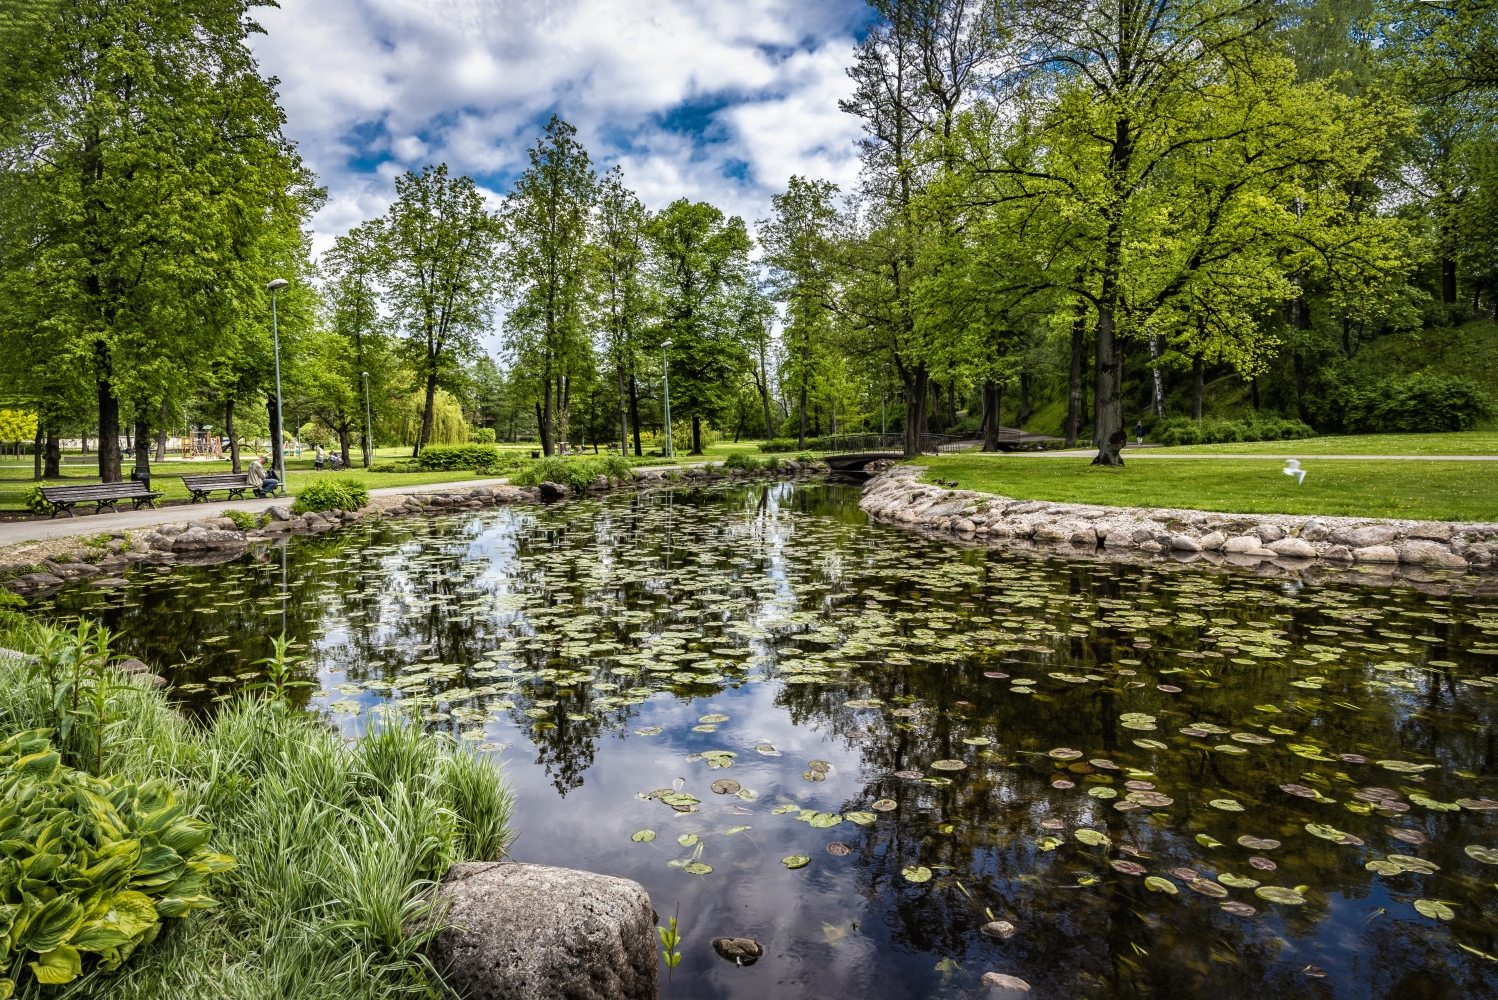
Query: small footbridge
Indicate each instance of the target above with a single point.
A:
(852, 452)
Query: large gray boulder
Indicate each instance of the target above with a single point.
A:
(534, 932)
(551, 492)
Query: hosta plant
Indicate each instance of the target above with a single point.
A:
(88, 866)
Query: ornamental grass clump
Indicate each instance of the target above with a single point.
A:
(576, 473)
(331, 494)
(89, 866)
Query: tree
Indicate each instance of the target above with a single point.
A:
(359, 359)
(621, 296)
(700, 261)
(438, 263)
(147, 155)
(546, 220)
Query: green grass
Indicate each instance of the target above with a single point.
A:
(336, 845)
(1477, 442)
(1433, 490)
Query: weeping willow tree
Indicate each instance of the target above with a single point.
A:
(448, 425)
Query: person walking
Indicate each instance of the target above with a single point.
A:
(264, 483)
(319, 459)
(1139, 432)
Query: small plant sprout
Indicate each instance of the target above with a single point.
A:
(670, 938)
(278, 671)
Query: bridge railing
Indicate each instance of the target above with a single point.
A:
(931, 444)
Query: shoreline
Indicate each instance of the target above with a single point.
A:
(1378, 549)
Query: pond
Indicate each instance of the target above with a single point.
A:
(861, 746)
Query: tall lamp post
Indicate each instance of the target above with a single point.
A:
(368, 427)
(666, 386)
(275, 333)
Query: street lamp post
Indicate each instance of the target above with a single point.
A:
(666, 388)
(368, 427)
(275, 333)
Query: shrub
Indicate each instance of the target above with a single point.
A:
(482, 435)
(35, 502)
(780, 444)
(1184, 431)
(577, 473)
(451, 457)
(741, 460)
(242, 519)
(126, 857)
(806, 456)
(331, 494)
(1419, 402)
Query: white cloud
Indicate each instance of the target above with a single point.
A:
(698, 98)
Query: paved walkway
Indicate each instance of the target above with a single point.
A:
(1132, 453)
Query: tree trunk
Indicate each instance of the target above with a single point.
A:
(623, 414)
(36, 452)
(991, 416)
(229, 433)
(1024, 399)
(1198, 374)
(1300, 388)
(343, 445)
(696, 435)
(1108, 430)
(52, 467)
(540, 428)
(764, 397)
(426, 415)
(1253, 392)
(1157, 400)
(1074, 385)
(1448, 281)
(142, 450)
(161, 429)
(109, 432)
(563, 430)
(952, 402)
(915, 410)
(277, 459)
(801, 441)
(634, 412)
(936, 409)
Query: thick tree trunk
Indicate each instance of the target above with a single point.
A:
(36, 452)
(1074, 384)
(764, 396)
(543, 417)
(1300, 388)
(229, 433)
(1448, 281)
(52, 466)
(915, 410)
(696, 435)
(1198, 377)
(801, 436)
(109, 432)
(1024, 399)
(936, 413)
(1253, 392)
(991, 416)
(161, 429)
(143, 450)
(277, 460)
(426, 414)
(343, 445)
(634, 412)
(1108, 433)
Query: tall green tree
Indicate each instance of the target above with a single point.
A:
(700, 260)
(546, 271)
(620, 255)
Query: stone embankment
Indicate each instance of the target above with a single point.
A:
(37, 570)
(1146, 533)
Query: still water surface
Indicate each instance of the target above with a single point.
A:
(860, 746)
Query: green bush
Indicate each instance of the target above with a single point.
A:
(780, 445)
(35, 502)
(1184, 431)
(742, 460)
(91, 865)
(576, 473)
(452, 457)
(482, 435)
(331, 494)
(242, 519)
(1419, 402)
(805, 457)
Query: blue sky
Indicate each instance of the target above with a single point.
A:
(718, 101)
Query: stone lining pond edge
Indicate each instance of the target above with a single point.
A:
(1292, 542)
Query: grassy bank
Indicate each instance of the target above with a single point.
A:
(1434, 490)
(334, 844)
(1477, 442)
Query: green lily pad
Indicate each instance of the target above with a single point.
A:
(1150, 745)
(642, 836)
(948, 765)
(1157, 884)
(1486, 855)
(885, 805)
(1226, 805)
(1279, 894)
(796, 861)
(697, 868)
(821, 821)
(714, 717)
(977, 741)
(704, 729)
(1435, 909)
(860, 817)
(1207, 840)
(1404, 766)
(687, 839)
(916, 873)
(1092, 838)
(1238, 881)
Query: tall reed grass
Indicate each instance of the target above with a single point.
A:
(338, 844)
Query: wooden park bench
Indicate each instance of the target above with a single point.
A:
(237, 483)
(102, 495)
(80, 460)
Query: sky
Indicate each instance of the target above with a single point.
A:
(713, 100)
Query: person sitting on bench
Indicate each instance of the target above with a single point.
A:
(262, 482)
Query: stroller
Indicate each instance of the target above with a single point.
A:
(335, 461)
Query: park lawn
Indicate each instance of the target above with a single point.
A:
(1478, 442)
(1433, 490)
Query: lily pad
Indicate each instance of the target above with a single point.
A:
(1486, 855)
(860, 817)
(822, 821)
(1005, 982)
(1127, 867)
(916, 873)
(1279, 894)
(714, 717)
(1207, 887)
(697, 868)
(1096, 838)
(1227, 805)
(1404, 766)
(1207, 840)
(977, 741)
(1258, 843)
(767, 750)
(1237, 909)
(725, 786)
(642, 836)
(1435, 909)
(1237, 881)
(948, 765)
(1150, 745)
(1065, 753)
(687, 840)
(838, 849)
(1332, 833)
(885, 805)
(796, 861)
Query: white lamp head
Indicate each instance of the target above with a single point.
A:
(277, 284)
